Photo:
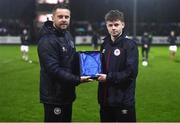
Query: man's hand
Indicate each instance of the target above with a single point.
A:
(84, 79)
(101, 77)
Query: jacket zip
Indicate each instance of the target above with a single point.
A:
(105, 84)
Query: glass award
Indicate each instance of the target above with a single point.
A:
(90, 63)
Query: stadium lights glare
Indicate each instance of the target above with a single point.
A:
(44, 17)
(50, 1)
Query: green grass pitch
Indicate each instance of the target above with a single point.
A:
(157, 88)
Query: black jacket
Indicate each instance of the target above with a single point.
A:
(120, 63)
(172, 40)
(146, 40)
(56, 51)
(25, 37)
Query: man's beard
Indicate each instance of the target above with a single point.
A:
(60, 26)
(116, 34)
(64, 26)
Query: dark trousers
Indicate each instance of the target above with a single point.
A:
(118, 114)
(57, 113)
(145, 52)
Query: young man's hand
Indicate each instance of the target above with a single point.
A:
(102, 77)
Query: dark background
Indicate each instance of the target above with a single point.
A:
(94, 10)
(155, 16)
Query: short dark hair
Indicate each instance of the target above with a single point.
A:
(114, 15)
(61, 6)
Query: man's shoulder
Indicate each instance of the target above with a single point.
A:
(130, 42)
(47, 39)
(106, 39)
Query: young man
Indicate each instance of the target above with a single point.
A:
(116, 91)
(172, 48)
(56, 52)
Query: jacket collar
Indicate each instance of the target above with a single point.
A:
(48, 28)
(117, 41)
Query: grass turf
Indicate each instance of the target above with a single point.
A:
(157, 88)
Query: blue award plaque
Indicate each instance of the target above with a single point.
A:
(90, 63)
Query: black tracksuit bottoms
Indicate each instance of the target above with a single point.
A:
(57, 113)
(117, 114)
